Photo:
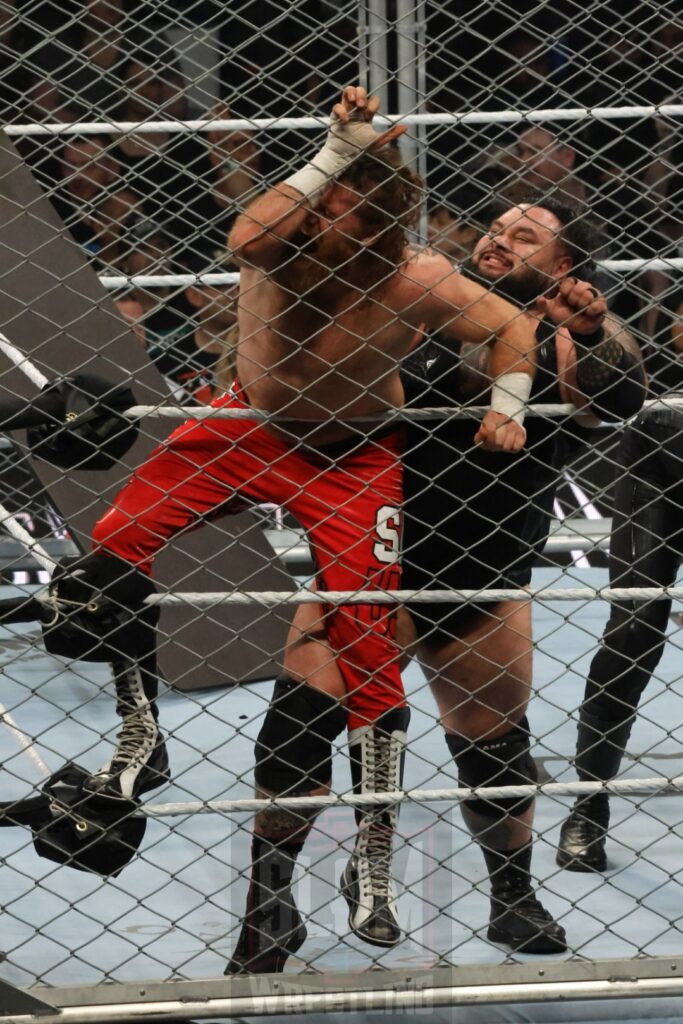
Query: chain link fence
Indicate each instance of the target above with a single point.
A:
(540, 165)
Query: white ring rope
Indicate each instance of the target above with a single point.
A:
(230, 124)
(115, 282)
(34, 547)
(272, 598)
(624, 787)
(204, 412)
(337, 597)
(433, 412)
(22, 362)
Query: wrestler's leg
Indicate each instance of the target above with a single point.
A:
(198, 470)
(355, 543)
(645, 551)
(293, 758)
(481, 680)
(166, 495)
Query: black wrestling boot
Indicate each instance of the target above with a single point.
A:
(583, 836)
(377, 755)
(518, 919)
(140, 762)
(272, 929)
(600, 746)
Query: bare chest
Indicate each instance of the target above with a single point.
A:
(289, 330)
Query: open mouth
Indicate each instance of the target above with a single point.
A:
(495, 261)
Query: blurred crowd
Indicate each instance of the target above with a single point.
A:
(163, 202)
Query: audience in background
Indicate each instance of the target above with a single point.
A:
(111, 62)
(88, 176)
(162, 311)
(451, 233)
(190, 334)
(547, 162)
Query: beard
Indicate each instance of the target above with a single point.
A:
(324, 266)
(521, 286)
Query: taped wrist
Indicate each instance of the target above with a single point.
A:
(510, 395)
(612, 378)
(345, 142)
(503, 761)
(294, 747)
(95, 610)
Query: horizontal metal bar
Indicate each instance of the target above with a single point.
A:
(362, 992)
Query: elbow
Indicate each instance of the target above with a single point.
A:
(624, 398)
(519, 337)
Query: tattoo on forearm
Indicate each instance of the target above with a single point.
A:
(615, 330)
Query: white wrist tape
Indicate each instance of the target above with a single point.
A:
(510, 394)
(346, 140)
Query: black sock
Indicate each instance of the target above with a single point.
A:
(509, 870)
(272, 865)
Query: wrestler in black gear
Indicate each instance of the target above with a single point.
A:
(474, 522)
(475, 519)
(479, 520)
(646, 550)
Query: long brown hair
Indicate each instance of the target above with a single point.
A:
(391, 207)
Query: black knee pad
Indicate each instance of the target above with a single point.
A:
(294, 747)
(503, 761)
(97, 610)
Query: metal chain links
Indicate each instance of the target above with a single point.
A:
(134, 136)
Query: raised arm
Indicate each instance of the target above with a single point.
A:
(465, 311)
(607, 376)
(260, 235)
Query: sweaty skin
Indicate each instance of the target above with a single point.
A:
(335, 354)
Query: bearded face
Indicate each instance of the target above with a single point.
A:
(318, 263)
(332, 262)
(521, 254)
(522, 284)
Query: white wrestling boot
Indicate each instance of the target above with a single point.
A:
(377, 756)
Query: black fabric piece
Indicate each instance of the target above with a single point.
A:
(600, 744)
(588, 340)
(614, 383)
(100, 613)
(294, 746)
(20, 609)
(18, 414)
(73, 827)
(272, 928)
(92, 433)
(509, 870)
(646, 550)
(503, 761)
(451, 539)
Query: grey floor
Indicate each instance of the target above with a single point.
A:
(175, 910)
